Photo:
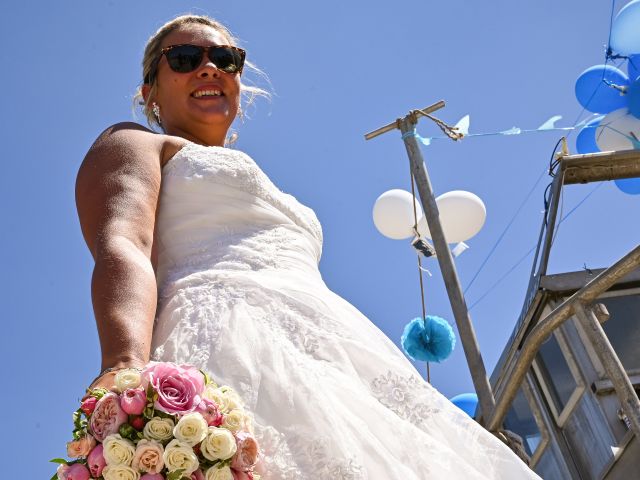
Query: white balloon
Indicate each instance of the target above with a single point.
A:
(462, 215)
(616, 130)
(393, 214)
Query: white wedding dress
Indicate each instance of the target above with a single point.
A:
(240, 295)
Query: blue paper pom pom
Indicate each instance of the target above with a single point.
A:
(430, 340)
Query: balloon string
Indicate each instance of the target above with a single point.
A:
(420, 269)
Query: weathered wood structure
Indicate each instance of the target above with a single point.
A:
(568, 380)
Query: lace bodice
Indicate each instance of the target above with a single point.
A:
(218, 210)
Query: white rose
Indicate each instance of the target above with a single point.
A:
(216, 396)
(233, 399)
(127, 378)
(148, 456)
(118, 450)
(218, 473)
(219, 444)
(234, 420)
(191, 428)
(180, 455)
(158, 428)
(120, 472)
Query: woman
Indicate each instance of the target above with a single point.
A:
(200, 259)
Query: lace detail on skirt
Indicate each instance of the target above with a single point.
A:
(286, 457)
(400, 394)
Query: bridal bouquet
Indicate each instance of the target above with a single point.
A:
(168, 422)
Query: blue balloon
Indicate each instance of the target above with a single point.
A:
(633, 98)
(624, 30)
(594, 93)
(467, 402)
(586, 139)
(633, 67)
(629, 185)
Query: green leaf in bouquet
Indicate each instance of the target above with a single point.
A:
(59, 460)
(127, 431)
(175, 474)
(55, 476)
(148, 412)
(98, 392)
(207, 378)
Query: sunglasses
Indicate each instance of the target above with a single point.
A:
(187, 58)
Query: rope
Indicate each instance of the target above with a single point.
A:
(504, 232)
(523, 258)
(420, 269)
(608, 56)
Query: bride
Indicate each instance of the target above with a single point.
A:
(201, 259)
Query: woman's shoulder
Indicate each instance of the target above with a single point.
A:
(134, 140)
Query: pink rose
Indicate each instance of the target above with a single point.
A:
(77, 471)
(62, 471)
(89, 405)
(148, 456)
(133, 401)
(81, 447)
(210, 412)
(197, 475)
(246, 455)
(178, 386)
(107, 417)
(153, 476)
(96, 461)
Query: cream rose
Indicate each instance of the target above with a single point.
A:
(179, 454)
(216, 396)
(218, 473)
(191, 428)
(158, 428)
(234, 420)
(234, 402)
(148, 456)
(127, 378)
(120, 472)
(118, 450)
(219, 444)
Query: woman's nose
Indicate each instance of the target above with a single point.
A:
(208, 68)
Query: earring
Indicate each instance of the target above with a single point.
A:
(155, 108)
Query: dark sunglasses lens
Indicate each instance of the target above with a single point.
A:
(184, 58)
(226, 59)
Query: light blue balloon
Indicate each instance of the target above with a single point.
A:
(629, 185)
(633, 67)
(586, 139)
(467, 402)
(595, 95)
(633, 98)
(625, 35)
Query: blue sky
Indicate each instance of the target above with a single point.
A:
(338, 70)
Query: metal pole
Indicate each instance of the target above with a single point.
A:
(611, 363)
(443, 254)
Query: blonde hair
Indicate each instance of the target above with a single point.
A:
(152, 51)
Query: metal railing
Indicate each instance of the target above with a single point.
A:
(579, 304)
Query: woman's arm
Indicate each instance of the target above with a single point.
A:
(117, 192)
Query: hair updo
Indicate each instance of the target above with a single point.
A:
(152, 51)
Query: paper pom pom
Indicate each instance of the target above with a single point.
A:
(430, 340)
